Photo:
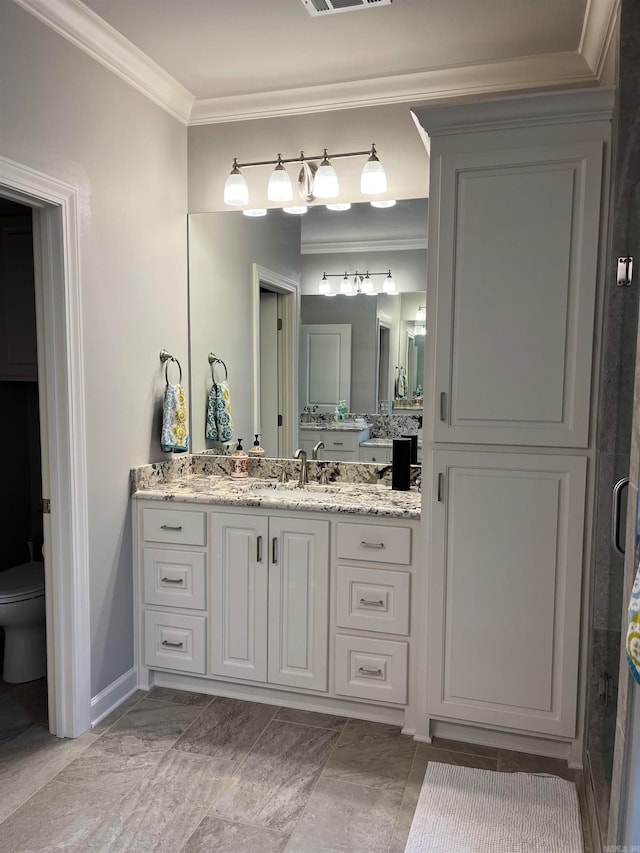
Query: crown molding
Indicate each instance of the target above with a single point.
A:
(85, 29)
(82, 27)
(548, 70)
(598, 29)
(402, 244)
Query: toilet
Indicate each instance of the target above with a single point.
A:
(22, 615)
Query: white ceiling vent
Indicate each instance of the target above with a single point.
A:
(330, 7)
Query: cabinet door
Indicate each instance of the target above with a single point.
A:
(18, 359)
(298, 602)
(517, 242)
(239, 596)
(504, 602)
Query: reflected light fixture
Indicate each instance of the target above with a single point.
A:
(255, 211)
(420, 314)
(339, 205)
(297, 209)
(361, 283)
(314, 181)
(236, 191)
(385, 202)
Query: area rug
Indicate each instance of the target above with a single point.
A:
(462, 810)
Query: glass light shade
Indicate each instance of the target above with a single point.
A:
(373, 180)
(420, 315)
(389, 285)
(340, 205)
(346, 288)
(279, 187)
(325, 183)
(419, 330)
(236, 191)
(385, 202)
(299, 209)
(324, 288)
(367, 284)
(255, 211)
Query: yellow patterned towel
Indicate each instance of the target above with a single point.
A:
(633, 631)
(175, 426)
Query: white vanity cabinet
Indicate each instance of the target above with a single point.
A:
(269, 598)
(339, 445)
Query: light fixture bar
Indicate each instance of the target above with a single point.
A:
(357, 272)
(303, 158)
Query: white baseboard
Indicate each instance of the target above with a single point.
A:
(501, 739)
(115, 694)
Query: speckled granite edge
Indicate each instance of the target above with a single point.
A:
(160, 473)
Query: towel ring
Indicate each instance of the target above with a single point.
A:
(166, 358)
(213, 360)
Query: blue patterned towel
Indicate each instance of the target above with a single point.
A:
(219, 421)
(633, 630)
(175, 428)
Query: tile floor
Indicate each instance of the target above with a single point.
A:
(176, 771)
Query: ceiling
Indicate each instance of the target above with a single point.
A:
(221, 60)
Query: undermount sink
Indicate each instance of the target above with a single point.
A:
(310, 492)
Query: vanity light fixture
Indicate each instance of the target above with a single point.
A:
(314, 181)
(361, 283)
(339, 205)
(296, 209)
(255, 211)
(420, 314)
(384, 202)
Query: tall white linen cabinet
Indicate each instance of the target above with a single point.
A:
(517, 232)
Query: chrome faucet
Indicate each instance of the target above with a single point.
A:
(303, 479)
(316, 448)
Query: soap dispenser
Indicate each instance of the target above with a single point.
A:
(256, 450)
(239, 461)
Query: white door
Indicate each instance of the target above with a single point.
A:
(517, 264)
(298, 602)
(238, 596)
(325, 365)
(504, 598)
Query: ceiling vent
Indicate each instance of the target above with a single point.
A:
(318, 8)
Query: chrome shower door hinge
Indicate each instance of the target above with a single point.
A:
(625, 271)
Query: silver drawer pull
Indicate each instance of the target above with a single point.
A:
(364, 671)
(172, 580)
(172, 645)
(372, 544)
(368, 603)
(170, 527)
(337, 443)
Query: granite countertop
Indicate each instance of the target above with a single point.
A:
(336, 426)
(382, 442)
(353, 498)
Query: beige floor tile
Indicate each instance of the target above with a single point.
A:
(272, 786)
(521, 762)
(182, 697)
(222, 836)
(119, 712)
(464, 746)
(372, 754)
(57, 817)
(311, 718)
(345, 818)
(32, 760)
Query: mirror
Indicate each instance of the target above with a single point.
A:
(253, 294)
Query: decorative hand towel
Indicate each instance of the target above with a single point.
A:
(175, 431)
(633, 630)
(219, 421)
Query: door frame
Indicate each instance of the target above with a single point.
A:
(288, 365)
(55, 207)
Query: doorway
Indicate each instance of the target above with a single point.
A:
(54, 207)
(384, 361)
(276, 309)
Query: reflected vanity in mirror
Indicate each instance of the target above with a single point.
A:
(292, 352)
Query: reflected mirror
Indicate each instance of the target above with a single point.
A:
(289, 351)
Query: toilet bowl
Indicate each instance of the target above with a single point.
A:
(22, 615)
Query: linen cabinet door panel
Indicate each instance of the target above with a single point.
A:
(517, 268)
(504, 620)
(299, 602)
(239, 596)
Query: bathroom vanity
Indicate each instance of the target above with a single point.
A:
(263, 590)
(341, 440)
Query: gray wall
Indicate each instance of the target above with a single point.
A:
(65, 115)
(222, 250)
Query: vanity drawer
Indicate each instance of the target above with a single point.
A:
(381, 455)
(174, 578)
(373, 600)
(371, 669)
(174, 525)
(343, 442)
(374, 543)
(174, 641)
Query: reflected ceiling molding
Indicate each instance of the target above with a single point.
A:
(401, 244)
